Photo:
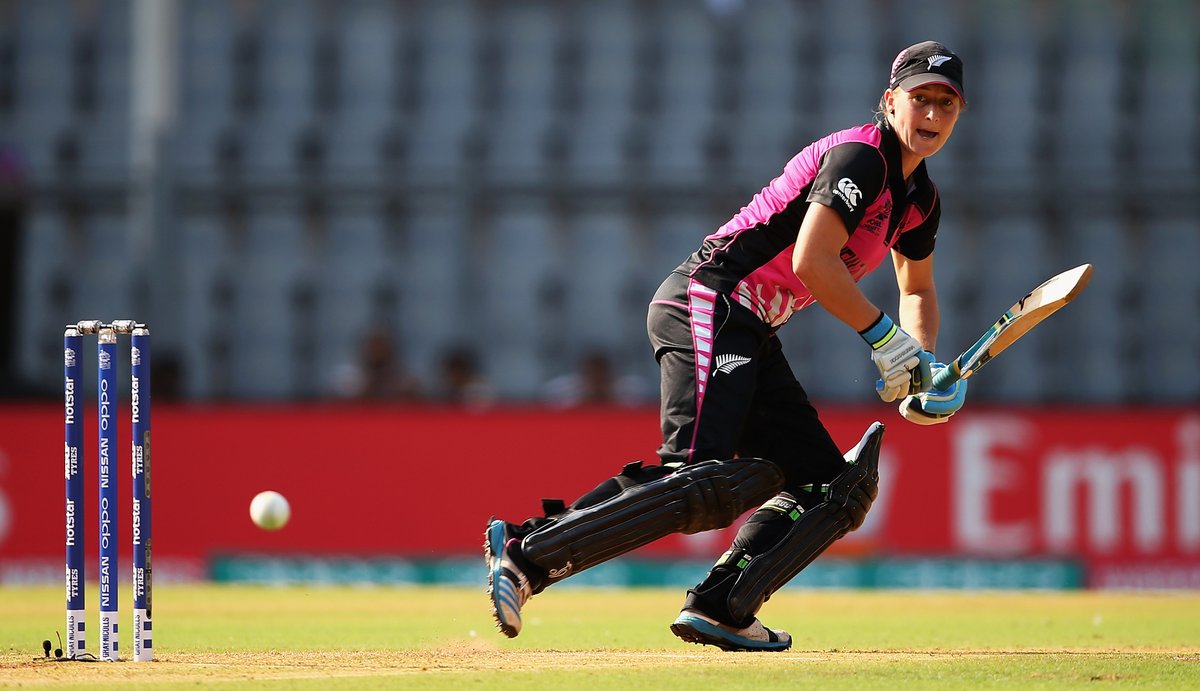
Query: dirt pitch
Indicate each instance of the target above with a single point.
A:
(481, 661)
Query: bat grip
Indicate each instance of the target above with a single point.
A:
(946, 377)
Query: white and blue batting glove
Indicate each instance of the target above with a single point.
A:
(904, 366)
(935, 406)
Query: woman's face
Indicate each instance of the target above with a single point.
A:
(924, 117)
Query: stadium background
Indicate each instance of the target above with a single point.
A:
(272, 183)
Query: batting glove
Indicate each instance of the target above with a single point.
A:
(903, 364)
(937, 405)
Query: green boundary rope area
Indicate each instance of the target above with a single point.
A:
(833, 573)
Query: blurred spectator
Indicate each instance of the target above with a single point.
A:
(12, 222)
(595, 383)
(460, 381)
(379, 374)
(166, 377)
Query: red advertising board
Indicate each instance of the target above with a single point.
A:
(1119, 489)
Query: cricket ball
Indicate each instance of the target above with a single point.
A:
(270, 510)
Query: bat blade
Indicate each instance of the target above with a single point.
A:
(1026, 313)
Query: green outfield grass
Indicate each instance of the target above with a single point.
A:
(443, 638)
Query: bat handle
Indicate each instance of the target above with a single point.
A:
(946, 377)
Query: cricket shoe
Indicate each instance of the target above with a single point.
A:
(694, 627)
(508, 587)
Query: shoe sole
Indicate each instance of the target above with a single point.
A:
(493, 547)
(695, 630)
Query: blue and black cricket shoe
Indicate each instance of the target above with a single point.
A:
(694, 627)
(508, 587)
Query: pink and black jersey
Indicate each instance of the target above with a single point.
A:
(857, 173)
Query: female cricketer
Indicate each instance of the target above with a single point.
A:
(738, 429)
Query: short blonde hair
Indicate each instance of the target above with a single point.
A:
(881, 111)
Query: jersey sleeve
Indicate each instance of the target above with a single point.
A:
(917, 243)
(850, 178)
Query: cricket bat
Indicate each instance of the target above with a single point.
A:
(1028, 312)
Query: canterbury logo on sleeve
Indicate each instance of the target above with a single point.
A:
(848, 192)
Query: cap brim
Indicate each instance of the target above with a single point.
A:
(918, 80)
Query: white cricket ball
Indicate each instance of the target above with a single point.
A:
(270, 510)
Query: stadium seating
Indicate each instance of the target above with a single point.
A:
(519, 176)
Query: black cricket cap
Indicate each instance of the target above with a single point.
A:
(928, 62)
